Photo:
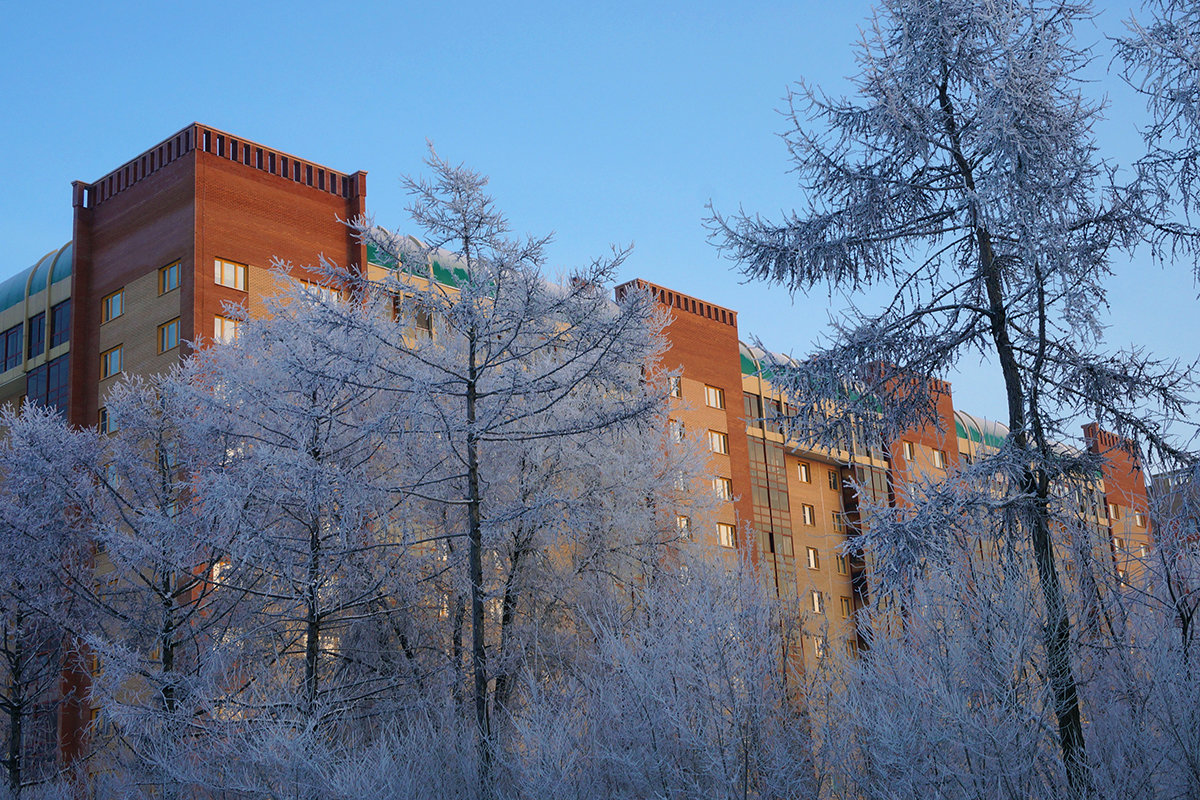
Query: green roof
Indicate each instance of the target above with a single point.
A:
(972, 432)
(447, 277)
(50, 268)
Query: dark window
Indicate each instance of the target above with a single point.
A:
(14, 346)
(60, 323)
(37, 334)
(47, 384)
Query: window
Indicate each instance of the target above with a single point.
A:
(423, 322)
(820, 646)
(225, 329)
(326, 294)
(834, 483)
(110, 362)
(677, 430)
(60, 323)
(1118, 544)
(805, 473)
(105, 422)
(818, 601)
(168, 335)
(1139, 519)
(168, 278)
(228, 273)
(809, 514)
(842, 564)
(714, 397)
(37, 334)
(851, 648)
(676, 386)
(909, 451)
(939, 459)
(112, 306)
(814, 558)
(1143, 550)
(684, 525)
(47, 384)
(13, 346)
(847, 607)
(839, 522)
(1114, 511)
(718, 442)
(723, 488)
(726, 535)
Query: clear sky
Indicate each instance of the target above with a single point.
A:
(606, 123)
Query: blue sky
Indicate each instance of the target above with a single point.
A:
(606, 123)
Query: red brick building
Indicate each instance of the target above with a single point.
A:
(163, 243)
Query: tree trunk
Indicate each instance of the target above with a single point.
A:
(475, 565)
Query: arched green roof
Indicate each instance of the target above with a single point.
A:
(50, 268)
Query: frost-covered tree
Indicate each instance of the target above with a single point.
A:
(44, 558)
(964, 179)
(514, 386)
(1162, 60)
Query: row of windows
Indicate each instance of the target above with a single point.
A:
(113, 305)
(112, 360)
(939, 456)
(714, 396)
(817, 603)
(804, 472)
(14, 348)
(726, 533)
(841, 562)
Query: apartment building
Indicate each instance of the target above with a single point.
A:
(163, 245)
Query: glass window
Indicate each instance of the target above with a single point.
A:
(1139, 519)
(684, 525)
(168, 335)
(677, 430)
(723, 487)
(839, 522)
(110, 362)
(225, 329)
(48, 385)
(718, 442)
(676, 386)
(60, 323)
(909, 451)
(809, 514)
(834, 483)
(326, 294)
(818, 601)
(12, 345)
(939, 459)
(847, 607)
(229, 273)
(37, 334)
(112, 306)
(105, 421)
(843, 565)
(168, 278)
(714, 397)
(805, 473)
(814, 558)
(726, 535)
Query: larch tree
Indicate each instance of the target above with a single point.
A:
(1161, 59)
(46, 559)
(964, 176)
(513, 385)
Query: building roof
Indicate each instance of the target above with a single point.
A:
(50, 268)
